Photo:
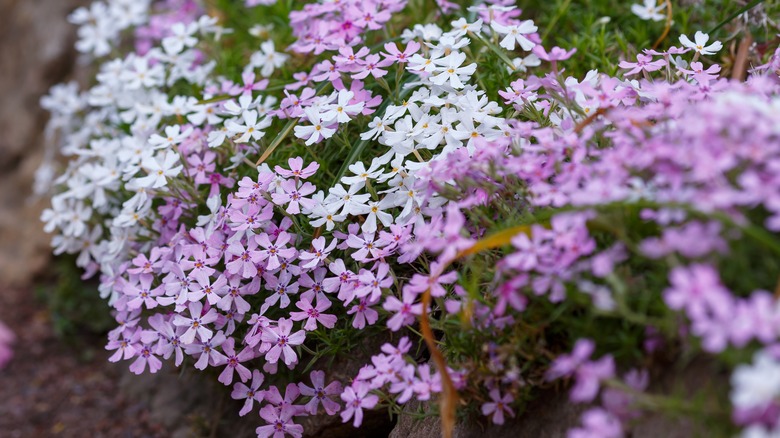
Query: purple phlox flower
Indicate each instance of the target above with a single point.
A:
(364, 314)
(145, 354)
(371, 284)
(566, 364)
(196, 323)
(126, 345)
(313, 314)
(295, 196)
(169, 338)
(427, 383)
(207, 288)
(273, 251)
(319, 252)
(588, 378)
(405, 310)
(597, 423)
(356, 397)
(279, 424)
(282, 342)
(498, 406)
(251, 393)
(555, 54)
(207, 352)
(297, 170)
(281, 288)
(320, 393)
(697, 289)
(233, 362)
(433, 282)
(643, 63)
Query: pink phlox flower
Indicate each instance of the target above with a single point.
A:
(371, 284)
(565, 364)
(279, 424)
(405, 311)
(294, 195)
(282, 342)
(597, 423)
(297, 170)
(320, 393)
(142, 292)
(356, 397)
(314, 315)
(401, 57)
(427, 383)
(196, 323)
(318, 254)
(281, 288)
(499, 405)
(251, 393)
(434, 282)
(364, 314)
(286, 403)
(643, 63)
(555, 54)
(274, 251)
(233, 362)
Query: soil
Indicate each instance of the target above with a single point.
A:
(53, 389)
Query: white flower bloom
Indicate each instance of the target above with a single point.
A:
(267, 59)
(651, 10)
(700, 44)
(515, 34)
(251, 129)
(757, 384)
(159, 169)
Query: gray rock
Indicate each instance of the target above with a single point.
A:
(36, 52)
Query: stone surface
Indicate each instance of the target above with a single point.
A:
(36, 52)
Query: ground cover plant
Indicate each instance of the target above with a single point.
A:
(515, 194)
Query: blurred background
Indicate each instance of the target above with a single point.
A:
(57, 381)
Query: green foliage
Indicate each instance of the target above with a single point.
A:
(75, 306)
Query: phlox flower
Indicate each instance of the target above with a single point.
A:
(364, 314)
(251, 129)
(401, 57)
(405, 310)
(643, 63)
(145, 355)
(294, 196)
(279, 424)
(159, 168)
(356, 397)
(372, 284)
(251, 393)
(207, 352)
(342, 109)
(449, 69)
(313, 314)
(700, 44)
(318, 254)
(498, 406)
(297, 170)
(282, 342)
(515, 34)
(317, 130)
(233, 362)
(320, 393)
(196, 323)
(597, 423)
(650, 10)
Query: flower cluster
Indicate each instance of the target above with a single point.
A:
(337, 182)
